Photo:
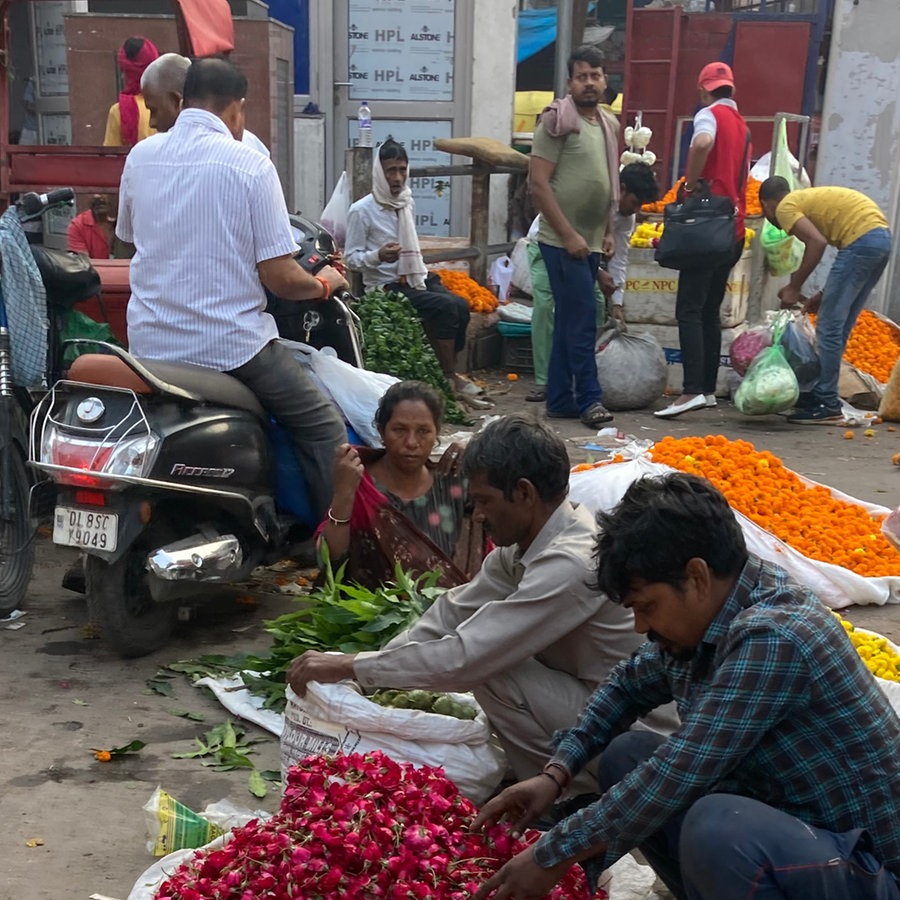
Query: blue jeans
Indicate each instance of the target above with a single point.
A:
(853, 275)
(727, 847)
(572, 385)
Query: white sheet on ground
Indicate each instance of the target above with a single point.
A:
(837, 587)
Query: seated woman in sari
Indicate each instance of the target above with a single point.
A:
(396, 506)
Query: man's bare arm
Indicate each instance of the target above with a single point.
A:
(283, 277)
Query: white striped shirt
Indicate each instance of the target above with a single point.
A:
(202, 209)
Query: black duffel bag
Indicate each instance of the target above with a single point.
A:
(698, 233)
(69, 278)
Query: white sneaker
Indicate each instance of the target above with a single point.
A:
(711, 401)
(676, 409)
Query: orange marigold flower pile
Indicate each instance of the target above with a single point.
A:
(808, 518)
(873, 346)
(480, 299)
(754, 208)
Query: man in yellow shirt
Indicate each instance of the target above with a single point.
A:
(854, 224)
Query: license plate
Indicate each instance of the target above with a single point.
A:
(85, 528)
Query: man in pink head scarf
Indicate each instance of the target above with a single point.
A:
(129, 119)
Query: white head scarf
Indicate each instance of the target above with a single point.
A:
(411, 265)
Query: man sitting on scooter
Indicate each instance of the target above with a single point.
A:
(198, 272)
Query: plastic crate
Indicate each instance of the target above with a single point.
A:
(516, 355)
(514, 329)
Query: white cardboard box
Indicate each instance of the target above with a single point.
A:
(650, 291)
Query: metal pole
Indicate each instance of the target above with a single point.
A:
(563, 45)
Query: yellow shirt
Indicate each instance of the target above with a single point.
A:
(114, 124)
(841, 214)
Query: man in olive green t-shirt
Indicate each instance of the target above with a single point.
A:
(572, 158)
(853, 223)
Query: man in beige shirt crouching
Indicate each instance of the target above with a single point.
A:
(528, 635)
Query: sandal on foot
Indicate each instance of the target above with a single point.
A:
(596, 414)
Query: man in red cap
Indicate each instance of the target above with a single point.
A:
(718, 160)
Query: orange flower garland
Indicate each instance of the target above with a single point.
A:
(810, 519)
(480, 299)
(752, 196)
(873, 346)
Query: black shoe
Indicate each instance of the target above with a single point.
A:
(595, 415)
(818, 415)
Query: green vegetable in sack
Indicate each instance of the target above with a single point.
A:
(770, 385)
(396, 345)
(447, 706)
(426, 701)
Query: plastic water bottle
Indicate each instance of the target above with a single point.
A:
(364, 125)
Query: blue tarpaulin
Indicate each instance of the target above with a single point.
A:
(537, 29)
(296, 14)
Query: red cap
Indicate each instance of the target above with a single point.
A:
(715, 75)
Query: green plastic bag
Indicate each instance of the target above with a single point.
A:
(782, 251)
(76, 324)
(770, 385)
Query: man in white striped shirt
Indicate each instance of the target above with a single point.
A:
(210, 227)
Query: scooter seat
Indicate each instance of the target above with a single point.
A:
(182, 380)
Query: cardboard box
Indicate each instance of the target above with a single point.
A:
(650, 291)
(483, 344)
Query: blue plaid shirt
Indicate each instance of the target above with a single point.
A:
(776, 705)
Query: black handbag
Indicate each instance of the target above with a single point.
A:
(699, 232)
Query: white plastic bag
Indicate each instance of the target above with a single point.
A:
(334, 216)
(336, 718)
(355, 392)
(631, 369)
(521, 267)
(501, 274)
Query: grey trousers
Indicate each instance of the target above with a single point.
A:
(526, 705)
(314, 425)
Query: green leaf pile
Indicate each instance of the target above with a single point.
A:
(395, 344)
(337, 616)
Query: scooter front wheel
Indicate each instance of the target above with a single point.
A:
(16, 531)
(119, 603)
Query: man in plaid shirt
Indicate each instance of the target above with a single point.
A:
(783, 780)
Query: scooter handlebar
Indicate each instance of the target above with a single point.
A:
(33, 204)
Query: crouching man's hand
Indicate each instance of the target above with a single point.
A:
(519, 805)
(522, 879)
(324, 667)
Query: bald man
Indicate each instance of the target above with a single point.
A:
(162, 86)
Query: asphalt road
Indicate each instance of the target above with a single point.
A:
(64, 693)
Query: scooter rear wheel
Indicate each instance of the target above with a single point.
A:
(119, 603)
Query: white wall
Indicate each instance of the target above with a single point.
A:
(493, 89)
(860, 142)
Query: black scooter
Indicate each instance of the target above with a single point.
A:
(172, 478)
